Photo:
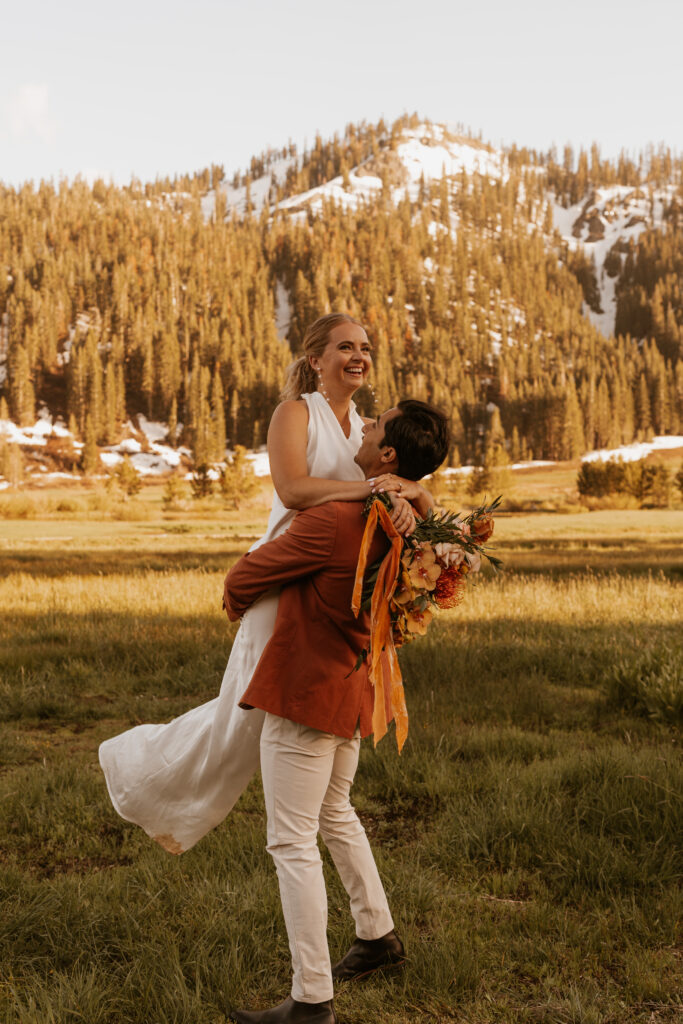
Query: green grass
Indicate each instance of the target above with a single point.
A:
(528, 836)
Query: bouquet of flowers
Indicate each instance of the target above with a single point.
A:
(428, 570)
(437, 562)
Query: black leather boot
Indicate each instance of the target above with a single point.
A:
(289, 1012)
(369, 955)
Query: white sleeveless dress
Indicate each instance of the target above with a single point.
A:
(177, 781)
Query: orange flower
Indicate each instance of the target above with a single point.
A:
(482, 529)
(417, 622)
(404, 592)
(450, 588)
(423, 570)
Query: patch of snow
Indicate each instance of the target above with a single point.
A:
(427, 151)
(638, 450)
(623, 213)
(283, 310)
(152, 431)
(128, 447)
(212, 473)
(260, 463)
(236, 198)
(360, 188)
(161, 458)
(36, 434)
(535, 463)
(449, 156)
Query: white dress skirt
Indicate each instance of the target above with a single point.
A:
(179, 780)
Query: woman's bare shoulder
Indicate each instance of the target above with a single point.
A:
(289, 421)
(290, 412)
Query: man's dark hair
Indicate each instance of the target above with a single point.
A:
(420, 437)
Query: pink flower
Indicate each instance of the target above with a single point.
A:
(449, 555)
(473, 560)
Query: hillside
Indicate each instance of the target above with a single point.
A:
(537, 301)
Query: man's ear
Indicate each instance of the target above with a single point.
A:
(388, 456)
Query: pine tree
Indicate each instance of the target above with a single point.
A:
(218, 440)
(90, 456)
(173, 422)
(110, 425)
(573, 442)
(644, 415)
(22, 398)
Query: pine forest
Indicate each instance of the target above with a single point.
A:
(165, 298)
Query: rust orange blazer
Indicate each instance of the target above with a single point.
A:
(306, 672)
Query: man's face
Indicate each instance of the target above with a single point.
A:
(372, 458)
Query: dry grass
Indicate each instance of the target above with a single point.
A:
(528, 836)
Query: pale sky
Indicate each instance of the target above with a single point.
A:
(150, 88)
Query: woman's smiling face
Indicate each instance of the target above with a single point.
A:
(346, 361)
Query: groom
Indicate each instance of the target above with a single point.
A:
(317, 709)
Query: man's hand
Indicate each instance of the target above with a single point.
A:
(403, 515)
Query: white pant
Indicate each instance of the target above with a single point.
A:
(307, 776)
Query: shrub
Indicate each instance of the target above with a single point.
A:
(479, 481)
(68, 505)
(62, 453)
(201, 483)
(648, 482)
(174, 492)
(126, 476)
(19, 507)
(11, 462)
(132, 512)
(237, 480)
(679, 480)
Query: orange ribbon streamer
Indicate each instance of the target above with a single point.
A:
(381, 633)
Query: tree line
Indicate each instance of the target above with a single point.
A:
(119, 300)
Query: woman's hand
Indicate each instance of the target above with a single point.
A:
(411, 490)
(403, 516)
(408, 489)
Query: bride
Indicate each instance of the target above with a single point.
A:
(177, 781)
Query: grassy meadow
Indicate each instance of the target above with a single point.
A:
(529, 836)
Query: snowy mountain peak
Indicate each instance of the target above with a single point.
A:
(605, 223)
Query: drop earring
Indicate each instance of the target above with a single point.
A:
(321, 386)
(371, 388)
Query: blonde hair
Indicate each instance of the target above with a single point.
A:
(301, 377)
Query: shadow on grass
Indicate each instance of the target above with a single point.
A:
(557, 559)
(562, 558)
(51, 565)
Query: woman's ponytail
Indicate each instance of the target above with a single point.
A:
(299, 381)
